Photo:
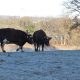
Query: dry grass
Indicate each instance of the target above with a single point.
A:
(67, 47)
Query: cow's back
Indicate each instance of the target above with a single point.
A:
(4, 33)
(12, 35)
(39, 36)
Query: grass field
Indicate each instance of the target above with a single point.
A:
(47, 65)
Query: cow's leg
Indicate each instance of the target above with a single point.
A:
(20, 47)
(17, 49)
(2, 46)
(35, 45)
(42, 47)
(39, 48)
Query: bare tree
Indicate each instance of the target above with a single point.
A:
(73, 5)
(75, 23)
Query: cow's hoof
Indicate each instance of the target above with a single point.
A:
(17, 49)
(4, 51)
(22, 51)
(36, 50)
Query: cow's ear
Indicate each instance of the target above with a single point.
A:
(49, 38)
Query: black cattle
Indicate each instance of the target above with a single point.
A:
(18, 37)
(40, 39)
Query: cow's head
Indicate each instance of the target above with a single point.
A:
(30, 39)
(46, 40)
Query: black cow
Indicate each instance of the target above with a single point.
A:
(40, 39)
(18, 37)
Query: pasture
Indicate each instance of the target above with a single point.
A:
(47, 65)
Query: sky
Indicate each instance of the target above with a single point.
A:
(40, 8)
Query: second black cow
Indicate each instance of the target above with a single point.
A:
(40, 39)
(18, 37)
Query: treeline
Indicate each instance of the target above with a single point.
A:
(57, 28)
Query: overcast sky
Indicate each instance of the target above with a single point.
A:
(52, 8)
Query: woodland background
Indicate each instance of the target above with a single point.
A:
(57, 28)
